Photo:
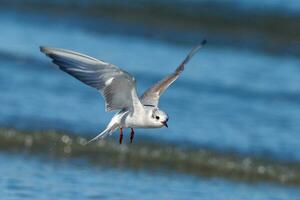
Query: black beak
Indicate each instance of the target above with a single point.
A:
(165, 123)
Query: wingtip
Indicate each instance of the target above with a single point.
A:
(43, 49)
(204, 42)
(48, 50)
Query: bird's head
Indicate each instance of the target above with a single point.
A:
(159, 117)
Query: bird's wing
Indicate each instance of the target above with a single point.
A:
(116, 86)
(151, 96)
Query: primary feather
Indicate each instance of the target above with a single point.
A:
(152, 95)
(116, 86)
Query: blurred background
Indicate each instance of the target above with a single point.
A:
(234, 113)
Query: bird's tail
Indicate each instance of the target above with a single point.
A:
(108, 131)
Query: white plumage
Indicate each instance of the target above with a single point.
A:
(118, 89)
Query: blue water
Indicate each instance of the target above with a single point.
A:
(73, 179)
(228, 99)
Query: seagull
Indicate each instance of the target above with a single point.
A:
(118, 89)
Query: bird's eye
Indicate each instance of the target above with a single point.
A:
(157, 117)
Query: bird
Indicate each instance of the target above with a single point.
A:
(118, 89)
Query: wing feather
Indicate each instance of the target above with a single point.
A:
(151, 96)
(116, 86)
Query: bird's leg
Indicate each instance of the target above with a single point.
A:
(121, 135)
(131, 135)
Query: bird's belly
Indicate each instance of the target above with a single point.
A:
(138, 123)
(141, 126)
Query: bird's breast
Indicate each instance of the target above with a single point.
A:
(137, 121)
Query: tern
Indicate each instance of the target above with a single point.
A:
(118, 89)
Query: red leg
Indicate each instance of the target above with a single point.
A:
(121, 135)
(131, 135)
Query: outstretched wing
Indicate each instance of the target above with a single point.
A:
(151, 96)
(116, 86)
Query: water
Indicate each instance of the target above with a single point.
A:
(73, 179)
(147, 154)
(241, 98)
(229, 100)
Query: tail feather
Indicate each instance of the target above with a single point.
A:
(108, 131)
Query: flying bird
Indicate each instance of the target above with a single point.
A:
(118, 90)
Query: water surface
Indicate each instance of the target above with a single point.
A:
(233, 102)
(73, 179)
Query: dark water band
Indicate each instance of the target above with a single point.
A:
(148, 156)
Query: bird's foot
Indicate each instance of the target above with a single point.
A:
(131, 135)
(121, 136)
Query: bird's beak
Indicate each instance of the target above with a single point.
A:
(165, 123)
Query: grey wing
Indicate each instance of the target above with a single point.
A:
(116, 86)
(152, 95)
